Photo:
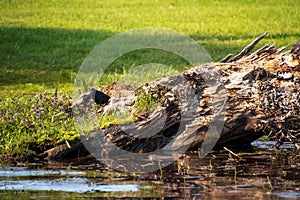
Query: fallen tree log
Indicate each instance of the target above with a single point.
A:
(255, 94)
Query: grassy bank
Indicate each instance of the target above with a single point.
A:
(43, 43)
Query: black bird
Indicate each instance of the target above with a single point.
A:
(99, 97)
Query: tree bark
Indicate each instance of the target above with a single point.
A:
(262, 92)
(252, 94)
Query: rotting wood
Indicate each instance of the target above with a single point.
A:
(248, 48)
(262, 98)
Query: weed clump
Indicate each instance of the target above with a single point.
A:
(32, 124)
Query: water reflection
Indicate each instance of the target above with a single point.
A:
(263, 174)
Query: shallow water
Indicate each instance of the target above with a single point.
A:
(266, 173)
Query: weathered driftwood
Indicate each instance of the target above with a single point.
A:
(262, 93)
(248, 48)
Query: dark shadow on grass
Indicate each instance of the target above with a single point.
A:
(50, 55)
(42, 55)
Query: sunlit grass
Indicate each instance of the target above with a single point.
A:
(106, 120)
(32, 123)
(43, 42)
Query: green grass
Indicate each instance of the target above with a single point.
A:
(43, 43)
(146, 102)
(107, 120)
(31, 124)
